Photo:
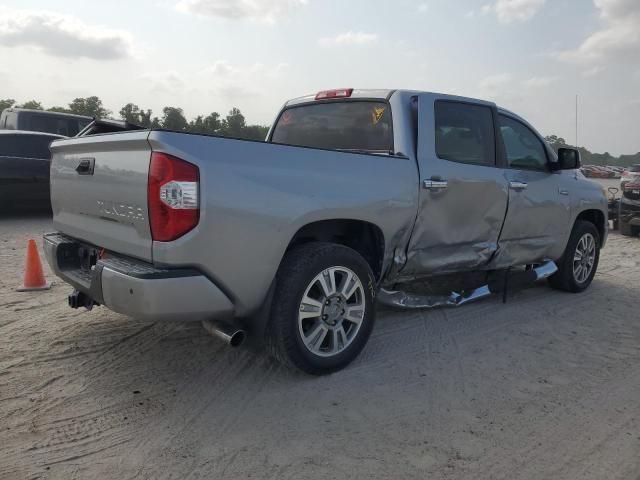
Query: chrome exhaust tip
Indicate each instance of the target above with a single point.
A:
(230, 334)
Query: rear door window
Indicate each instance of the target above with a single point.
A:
(464, 133)
(363, 126)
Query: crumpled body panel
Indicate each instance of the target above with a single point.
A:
(400, 299)
(411, 300)
(458, 228)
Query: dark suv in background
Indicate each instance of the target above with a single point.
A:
(65, 124)
(24, 170)
(630, 201)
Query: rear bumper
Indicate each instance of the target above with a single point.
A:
(136, 288)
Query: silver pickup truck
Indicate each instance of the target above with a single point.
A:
(291, 239)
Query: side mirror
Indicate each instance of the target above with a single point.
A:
(568, 159)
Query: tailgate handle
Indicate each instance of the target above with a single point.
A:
(86, 166)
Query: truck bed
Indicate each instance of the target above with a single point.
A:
(254, 197)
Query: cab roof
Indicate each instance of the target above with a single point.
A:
(383, 94)
(46, 112)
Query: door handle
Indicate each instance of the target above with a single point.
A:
(517, 186)
(435, 184)
(563, 192)
(86, 166)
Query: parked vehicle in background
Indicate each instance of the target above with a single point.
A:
(65, 124)
(599, 171)
(354, 190)
(629, 216)
(24, 169)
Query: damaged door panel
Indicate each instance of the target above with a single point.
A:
(463, 199)
(539, 201)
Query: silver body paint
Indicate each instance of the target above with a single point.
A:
(255, 196)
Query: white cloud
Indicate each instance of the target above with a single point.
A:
(264, 10)
(617, 40)
(495, 82)
(423, 8)
(592, 72)
(164, 82)
(509, 11)
(349, 38)
(223, 69)
(62, 35)
(232, 80)
(539, 82)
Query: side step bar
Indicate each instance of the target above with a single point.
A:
(499, 283)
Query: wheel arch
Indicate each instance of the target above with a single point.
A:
(597, 218)
(364, 237)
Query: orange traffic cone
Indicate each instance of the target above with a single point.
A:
(33, 275)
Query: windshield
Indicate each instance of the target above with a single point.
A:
(346, 125)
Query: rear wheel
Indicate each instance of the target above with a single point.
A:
(579, 262)
(323, 309)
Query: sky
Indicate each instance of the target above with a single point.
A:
(530, 56)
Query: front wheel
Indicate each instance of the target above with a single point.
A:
(323, 309)
(579, 263)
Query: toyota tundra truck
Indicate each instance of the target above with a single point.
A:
(290, 240)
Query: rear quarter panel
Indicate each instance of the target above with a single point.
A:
(255, 196)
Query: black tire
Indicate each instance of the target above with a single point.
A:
(564, 279)
(299, 268)
(626, 229)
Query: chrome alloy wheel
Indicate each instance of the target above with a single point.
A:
(584, 258)
(331, 311)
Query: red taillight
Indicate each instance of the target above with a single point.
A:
(172, 193)
(338, 93)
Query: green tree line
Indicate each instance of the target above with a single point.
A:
(589, 158)
(234, 125)
(172, 118)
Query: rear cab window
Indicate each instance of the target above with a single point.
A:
(363, 126)
(55, 124)
(464, 133)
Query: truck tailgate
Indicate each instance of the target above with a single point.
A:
(99, 191)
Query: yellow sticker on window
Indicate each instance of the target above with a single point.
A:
(376, 115)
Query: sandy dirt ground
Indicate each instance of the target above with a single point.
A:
(546, 386)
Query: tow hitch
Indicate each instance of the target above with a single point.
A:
(78, 299)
